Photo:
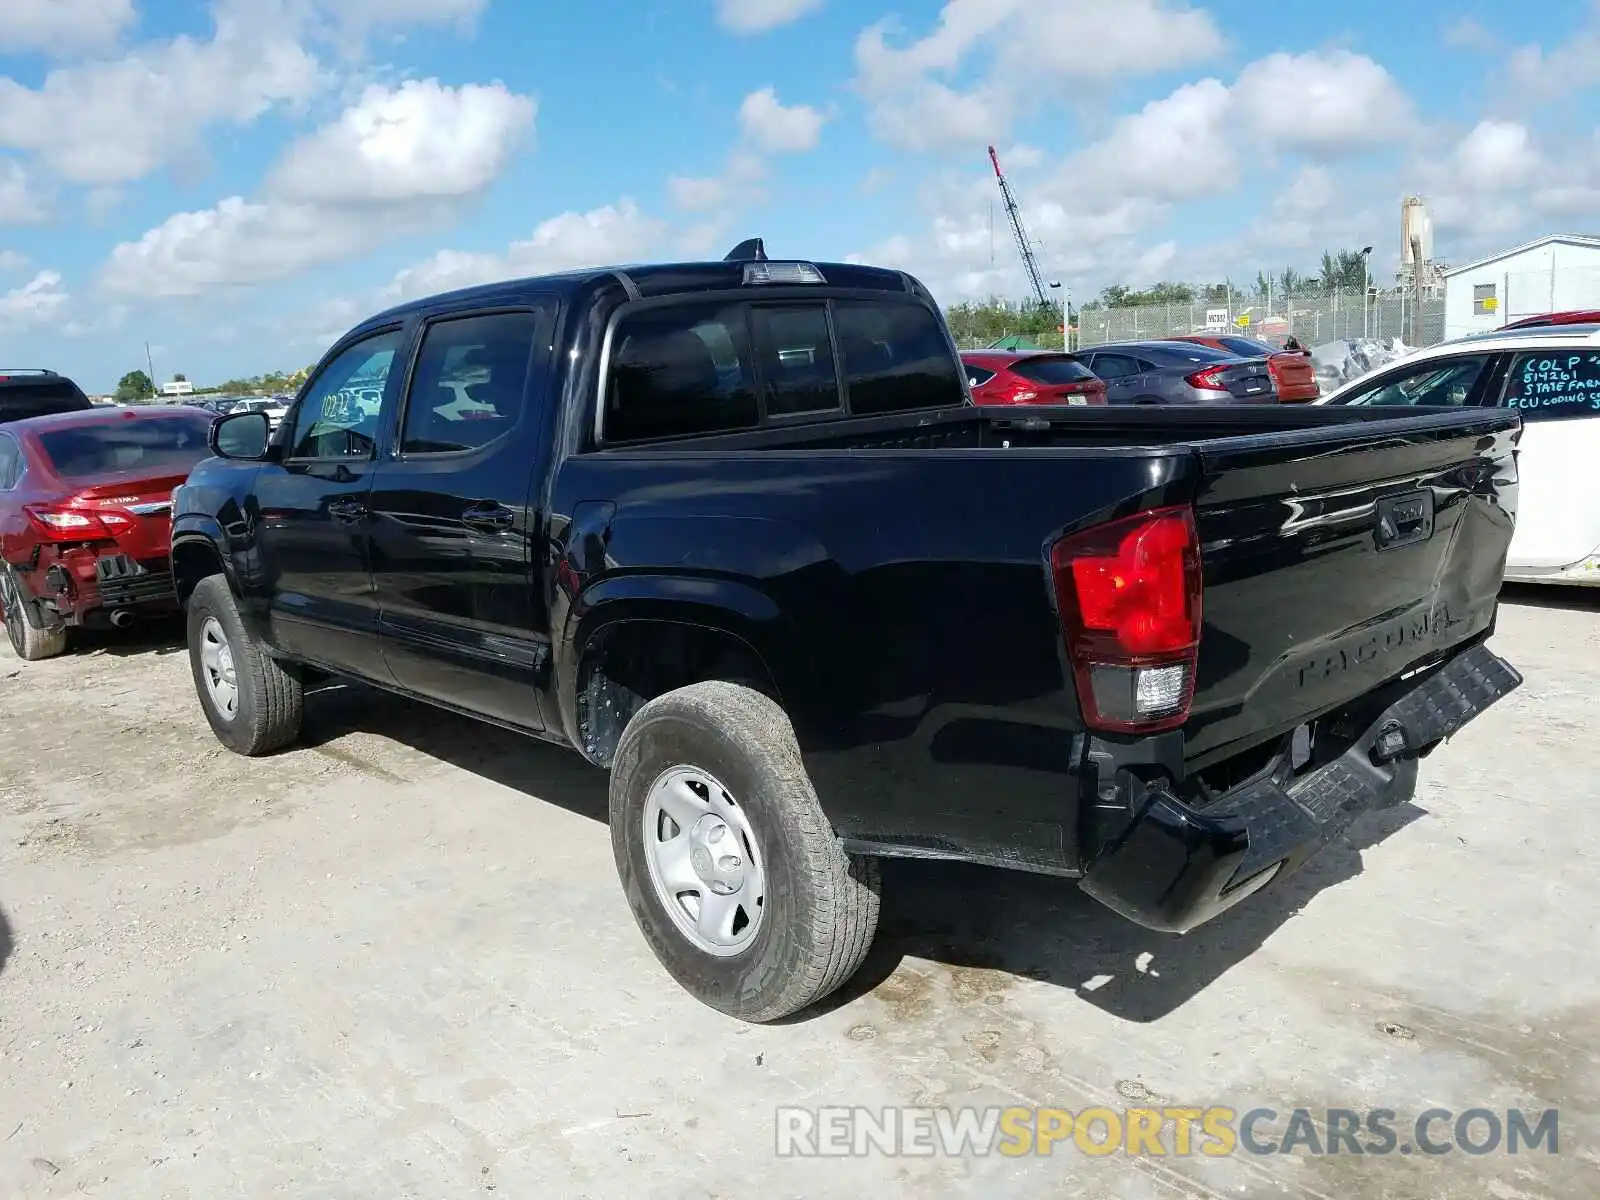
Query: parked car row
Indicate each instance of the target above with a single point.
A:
(1193, 369)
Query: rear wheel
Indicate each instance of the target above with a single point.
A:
(732, 871)
(28, 639)
(252, 704)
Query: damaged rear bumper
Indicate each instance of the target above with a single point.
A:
(1180, 864)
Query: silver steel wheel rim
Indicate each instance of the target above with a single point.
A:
(704, 861)
(217, 671)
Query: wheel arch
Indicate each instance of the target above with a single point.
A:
(625, 654)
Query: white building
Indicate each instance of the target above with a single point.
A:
(1558, 272)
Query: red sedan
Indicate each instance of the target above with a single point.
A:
(1292, 370)
(86, 518)
(1578, 316)
(1031, 377)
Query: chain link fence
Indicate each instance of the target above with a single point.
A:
(1313, 318)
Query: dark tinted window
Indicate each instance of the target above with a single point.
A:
(896, 357)
(1192, 352)
(10, 462)
(977, 376)
(36, 399)
(1248, 347)
(1446, 384)
(338, 417)
(470, 384)
(1056, 369)
(681, 369)
(795, 357)
(150, 445)
(1114, 366)
(1554, 385)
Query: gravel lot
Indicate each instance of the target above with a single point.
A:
(395, 962)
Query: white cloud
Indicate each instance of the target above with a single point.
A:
(759, 16)
(418, 140)
(114, 121)
(770, 126)
(20, 203)
(1496, 155)
(362, 15)
(43, 300)
(1034, 52)
(62, 26)
(616, 233)
(739, 180)
(1322, 102)
(397, 161)
(1096, 214)
(1468, 33)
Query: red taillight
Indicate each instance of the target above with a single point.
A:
(1128, 594)
(67, 523)
(1210, 379)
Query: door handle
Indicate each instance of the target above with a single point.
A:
(348, 511)
(489, 517)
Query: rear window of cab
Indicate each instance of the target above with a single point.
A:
(722, 366)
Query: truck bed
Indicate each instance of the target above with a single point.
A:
(892, 574)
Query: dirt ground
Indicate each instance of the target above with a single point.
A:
(395, 962)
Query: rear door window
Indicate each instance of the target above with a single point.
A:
(896, 358)
(1114, 366)
(1553, 385)
(681, 369)
(470, 384)
(978, 376)
(155, 446)
(1056, 369)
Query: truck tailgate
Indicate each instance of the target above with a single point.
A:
(1337, 558)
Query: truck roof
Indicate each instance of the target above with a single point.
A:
(648, 280)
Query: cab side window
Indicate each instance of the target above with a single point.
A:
(471, 381)
(338, 415)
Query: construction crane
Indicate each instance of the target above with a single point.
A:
(1030, 261)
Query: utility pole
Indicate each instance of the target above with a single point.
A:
(1416, 292)
(1366, 287)
(150, 363)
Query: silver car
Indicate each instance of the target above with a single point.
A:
(1157, 372)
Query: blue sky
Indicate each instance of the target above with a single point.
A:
(237, 181)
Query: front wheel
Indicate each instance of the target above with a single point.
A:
(733, 873)
(31, 642)
(252, 704)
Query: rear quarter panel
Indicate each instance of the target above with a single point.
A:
(900, 602)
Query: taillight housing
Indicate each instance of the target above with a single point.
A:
(67, 523)
(1128, 594)
(1209, 379)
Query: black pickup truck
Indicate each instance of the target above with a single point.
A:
(735, 532)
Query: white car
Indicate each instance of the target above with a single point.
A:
(275, 409)
(1551, 374)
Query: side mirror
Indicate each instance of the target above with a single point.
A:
(243, 435)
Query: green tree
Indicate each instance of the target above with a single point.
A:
(180, 377)
(133, 386)
(1344, 271)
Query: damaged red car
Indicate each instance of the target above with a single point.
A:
(86, 517)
